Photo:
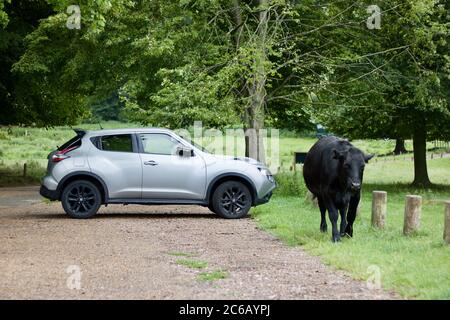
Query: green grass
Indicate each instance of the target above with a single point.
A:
(212, 275)
(414, 266)
(180, 254)
(193, 264)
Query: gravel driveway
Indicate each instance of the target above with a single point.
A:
(140, 252)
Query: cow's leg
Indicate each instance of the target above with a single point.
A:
(351, 215)
(323, 211)
(343, 213)
(333, 215)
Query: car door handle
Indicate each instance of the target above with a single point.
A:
(150, 163)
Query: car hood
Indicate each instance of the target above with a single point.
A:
(232, 158)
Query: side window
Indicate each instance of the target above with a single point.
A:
(118, 143)
(159, 143)
(73, 143)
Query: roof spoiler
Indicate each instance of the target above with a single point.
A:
(80, 132)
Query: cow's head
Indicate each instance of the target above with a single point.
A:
(351, 167)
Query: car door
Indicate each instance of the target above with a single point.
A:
(167, 175)
(116, 160)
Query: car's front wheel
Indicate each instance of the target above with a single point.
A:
(232, 200)
(81, 199)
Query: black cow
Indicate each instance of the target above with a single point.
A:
(333, 172)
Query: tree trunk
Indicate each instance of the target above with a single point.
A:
(237, 17)
(255, 85)
(399, 146)
(257, 88)
(447, 222)
(421, 178)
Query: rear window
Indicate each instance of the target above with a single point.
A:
(119, 143)
(74, 142)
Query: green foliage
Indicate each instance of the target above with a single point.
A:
(111, 109)
(396, 79)
(3, 15)
(289, 184)
(23, 17)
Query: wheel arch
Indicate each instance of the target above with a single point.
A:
(84, 175)
(231, 177)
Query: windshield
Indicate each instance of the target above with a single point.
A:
(196, 144)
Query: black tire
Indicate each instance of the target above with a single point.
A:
(81, 199)
(232, 200)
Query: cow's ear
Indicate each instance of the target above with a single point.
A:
(367, 157)
(339, 155)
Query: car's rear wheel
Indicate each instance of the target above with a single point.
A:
(232, 200)
(81, 199)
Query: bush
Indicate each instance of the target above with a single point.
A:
(290, 184)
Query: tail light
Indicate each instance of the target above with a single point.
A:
(61, 155)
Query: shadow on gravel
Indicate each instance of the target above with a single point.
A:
(121, 216)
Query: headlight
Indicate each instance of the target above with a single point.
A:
(267, 173)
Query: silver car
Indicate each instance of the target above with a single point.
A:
(151, 166)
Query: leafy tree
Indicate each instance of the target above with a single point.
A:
(3, 15)
(109, 109)
(19, 18)
(221, 62)
(395, 92)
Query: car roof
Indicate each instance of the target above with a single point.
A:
(126, 130)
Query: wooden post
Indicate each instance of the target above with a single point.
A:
(447, 222)
(413, 209)
(379, 206)
(25, 170)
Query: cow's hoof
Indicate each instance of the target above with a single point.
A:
(345, 235)
(323, 228)
(349, 232)
(336, 239)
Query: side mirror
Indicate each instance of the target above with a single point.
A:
(183, 151)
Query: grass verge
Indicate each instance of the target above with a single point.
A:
(416, 266)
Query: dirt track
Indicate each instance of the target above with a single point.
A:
(128, 252)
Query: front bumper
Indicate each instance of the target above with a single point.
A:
(265, 192)
(49, 194)
(264, 199)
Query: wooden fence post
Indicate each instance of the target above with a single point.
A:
(379, 206)
(413, 209)
(25, 170)
(447, 222)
